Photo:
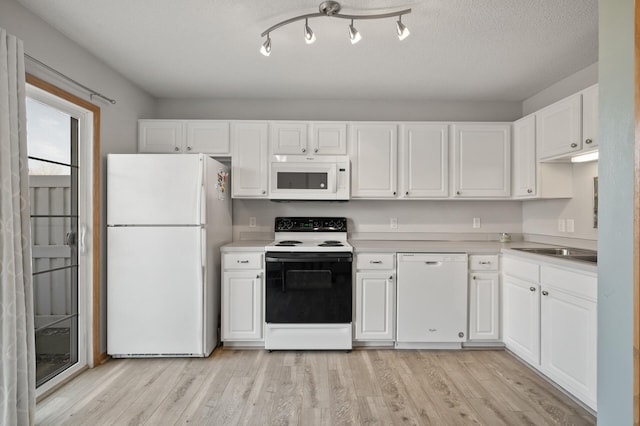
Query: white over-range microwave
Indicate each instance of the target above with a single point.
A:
(300, 177)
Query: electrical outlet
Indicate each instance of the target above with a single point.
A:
(394, 223)
(570, 225)
(252, 222)
(562, 225)
(476, 222)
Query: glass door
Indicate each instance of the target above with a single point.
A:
(52, 138)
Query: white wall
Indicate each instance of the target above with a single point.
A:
(278, 109)
(118, 122)
(371, 218)
(563, 88)
(540, 217)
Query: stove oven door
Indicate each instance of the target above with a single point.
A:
(308, 288)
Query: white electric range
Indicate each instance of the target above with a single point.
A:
(308, 285)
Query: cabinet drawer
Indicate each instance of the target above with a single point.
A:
(243, 261)
(483, 262)
(581, 285)
(521, 269)
(376, 261)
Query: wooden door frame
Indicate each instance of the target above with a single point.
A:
(636, 220)
(98, 357)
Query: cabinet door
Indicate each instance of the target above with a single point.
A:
(288, 138)
(158, 136)
(569, 342)
(524, 157)
(559, 128)
(482, 160)
(521, 318)
(208, 137)
(329, 138)
(249, 177)
(375, 305)
(590, 118)
(424, 160)
(242, 313)
(373, 152)
(484, 306)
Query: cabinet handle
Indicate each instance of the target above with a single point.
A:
(529, 191)
(304, 149)
(485, 262)
(574, 145)
(588, 141)
(188, 148)
(176, 149)
(315, 150)
(532, 289)
(243, 261)
(375, 262)
(545, 293)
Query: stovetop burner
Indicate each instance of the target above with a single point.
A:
(331, 243)
(288, 243)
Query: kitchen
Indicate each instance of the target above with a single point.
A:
(447, 216)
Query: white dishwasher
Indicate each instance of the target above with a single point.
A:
(431, 300)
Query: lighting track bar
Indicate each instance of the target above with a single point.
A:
(331, 9)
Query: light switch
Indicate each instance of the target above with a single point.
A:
(570, 225)
(562, 225)
(252, 222)
(476, 222)
(394, 223)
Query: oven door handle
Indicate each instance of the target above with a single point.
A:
(309, 257)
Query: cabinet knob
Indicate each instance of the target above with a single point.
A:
(574, 145)
(458, 192)
(588, 141)
(390, 277)
(394, 192)
(474, 277)
(188, 148)
(532, 289)
(315, 150)
(176, 149)
(545, 293)
(529, 191)
(406, 193)
(264, 192)
(304, 149)
(258, 276)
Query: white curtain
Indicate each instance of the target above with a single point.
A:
(17, 341)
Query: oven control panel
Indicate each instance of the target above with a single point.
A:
(311, 224)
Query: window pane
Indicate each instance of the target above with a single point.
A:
(49, 138)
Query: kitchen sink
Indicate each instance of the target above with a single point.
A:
(583, 255)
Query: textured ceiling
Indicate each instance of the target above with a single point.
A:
(502, 50)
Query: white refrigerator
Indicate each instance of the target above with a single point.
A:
(167, 216)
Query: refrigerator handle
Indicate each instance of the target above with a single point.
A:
(203, 252)
(201, 192)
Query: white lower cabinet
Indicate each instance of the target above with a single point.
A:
(484, 298)
(375, 297)
(550, 320)
(242, 297)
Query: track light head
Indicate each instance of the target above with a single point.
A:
(354, 35)
(266, 47)
(403, 31)
(309, 36)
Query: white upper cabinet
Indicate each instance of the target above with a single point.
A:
(482, 160)
(159, 136)
(373, 152)
(328, 138)
(289, 137)
(249, 175)
(302, 138)
(184, 136)
(590, 118)
(559, 128)
(208, 136)
(524, 157)
(424, 160)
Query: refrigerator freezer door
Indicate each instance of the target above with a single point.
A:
(154, 291)
(154, 189)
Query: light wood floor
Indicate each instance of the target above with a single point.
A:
(256, 387)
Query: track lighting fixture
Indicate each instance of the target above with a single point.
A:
(309, 36)
(331, 9)
(266, 46)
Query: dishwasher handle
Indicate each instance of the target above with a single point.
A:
(432, 263)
